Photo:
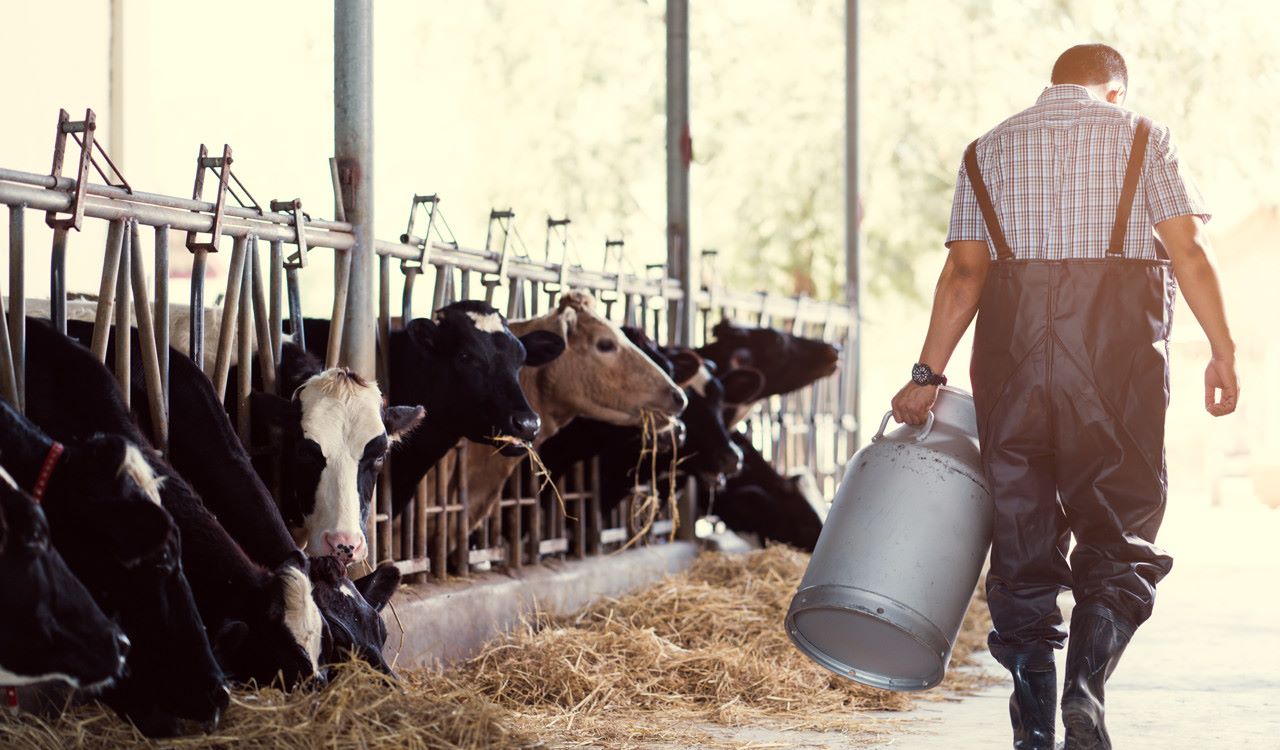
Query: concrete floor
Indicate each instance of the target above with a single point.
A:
(1203, 674)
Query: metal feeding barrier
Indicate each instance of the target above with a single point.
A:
(811, 428)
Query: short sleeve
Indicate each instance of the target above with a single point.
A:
(1170, 190)
(966, 215)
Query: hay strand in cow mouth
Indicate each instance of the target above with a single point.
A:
(644, 504)
(540, 471)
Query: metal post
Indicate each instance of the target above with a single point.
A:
(852, 217)
(152, 379)
(353, 150)
(679, 156)
(123, 323)
(18, 301)
(162, 313)
(107, 289)
(58, 280)
(115, 92)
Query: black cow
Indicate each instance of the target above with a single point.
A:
(51, 629)
(335, 433)
(206, 452)
(787, 362)
(265, 622)
(105, 521)
(762, 502)
(461, 365)
(351, 609)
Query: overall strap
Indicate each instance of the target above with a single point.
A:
(1132, 173)
(984, 202)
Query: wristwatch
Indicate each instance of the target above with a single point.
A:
(922, 374)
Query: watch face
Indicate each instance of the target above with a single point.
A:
(920, 374)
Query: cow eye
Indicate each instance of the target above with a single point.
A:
(606, 345)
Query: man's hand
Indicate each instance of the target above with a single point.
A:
(913, 402)
(1220, 375)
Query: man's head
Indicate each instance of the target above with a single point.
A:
(1097, 67)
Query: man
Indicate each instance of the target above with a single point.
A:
(1051, 245)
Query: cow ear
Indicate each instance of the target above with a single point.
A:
(400, 420)
(724, 329)
(742, 385)
(270, 407)
(422, 332)
(685, 364)
(229, 640)
(541, 347)
(378, 586)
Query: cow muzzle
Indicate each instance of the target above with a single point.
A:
(347, 546)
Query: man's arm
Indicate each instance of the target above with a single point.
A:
(1188, 247)
(955, 301)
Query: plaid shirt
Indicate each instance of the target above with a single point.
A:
(1055, 171)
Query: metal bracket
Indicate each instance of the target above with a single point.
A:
(221, 168)
(423, 243)
(300, 218)
(619, 252)
(559, 227)
(87, 126)
(503, 221)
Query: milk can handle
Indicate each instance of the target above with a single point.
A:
(920, 437)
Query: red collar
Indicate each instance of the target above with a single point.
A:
(46, 471)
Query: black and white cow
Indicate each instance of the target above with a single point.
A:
(99, 495)
(264, 621)
(51, 628)
(462, 366)
(787, 362)
(335, 434)
(761, 502)
(351, 609)
(207, 453)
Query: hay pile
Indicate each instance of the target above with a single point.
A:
(360, 708)
(704, 646)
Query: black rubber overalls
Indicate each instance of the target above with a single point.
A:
(1071, 383)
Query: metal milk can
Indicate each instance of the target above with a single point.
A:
(900, 553)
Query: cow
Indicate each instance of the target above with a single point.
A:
(264, 621)
(787, 362)
(351, 609)
(206, 452)
(460, 365)
(99, 495)
(601, 374)
(773, 507)
(52, 629)
(335, 434)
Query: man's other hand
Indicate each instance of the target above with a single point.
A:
(913, 402)
(1221, 389)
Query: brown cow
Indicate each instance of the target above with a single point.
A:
(601, 375)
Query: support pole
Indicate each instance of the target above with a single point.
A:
(680, 316)
(353, 150)
(852, 219)
(18, 301)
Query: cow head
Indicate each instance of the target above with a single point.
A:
(710, 452)
(351, 611)
(467, 371)
(283, 638)
(335, 435)
(786, 361)
(52, 628)
(105, 521)
(602, 374)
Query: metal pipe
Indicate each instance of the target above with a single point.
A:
(852, 219)
(106, 290)
(230, 305)
(339, 317)
(295, 309)
(353, 152)
(58, 280)
(124, 276)
(18, 301)
(406, 297)
(266, 354)
(244, 370)
(186, 205)
(44, 199)
(162, 314)
(151, 377)
(679, 156)
(384, 324)
(195, 333)
(277, 322)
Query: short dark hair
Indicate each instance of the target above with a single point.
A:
(1090, 65)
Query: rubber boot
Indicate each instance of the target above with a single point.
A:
(1096, 641)
(1034, 703)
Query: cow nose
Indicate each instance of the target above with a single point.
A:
(347, 546)
(524, 426)
(730, 463)
(679, 401)
(122, 646)
(220, 697)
